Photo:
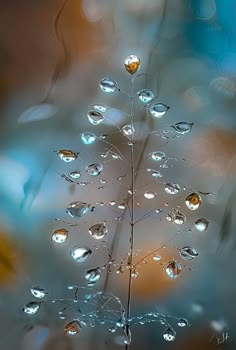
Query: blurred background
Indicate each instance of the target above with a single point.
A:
(52, 56)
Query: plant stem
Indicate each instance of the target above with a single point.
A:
(130, 260)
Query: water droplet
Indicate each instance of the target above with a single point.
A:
(95, 117)
(80, 253)
(149, 195)
(173, 269)
(177, 217)
(72, 328)
(84, 183)
(77, 209)
(201, 224)
(38, 292)
(158, 110)
(182, 127)
(121, 269)
(134, 274)
(103, 181)
(170, 217)
(108, 85)
(193, 201)
(74, 174)
(169, 334)
(156, 174)
(100, 108)
(98, 231)
(157, 156)
(31, 308)
(88, 138)
(157, 257)
(188, 253)
(94, 169)
(103, 136)
(145, 95)
(115, 156)
(128, 130)
(132, 64)
(120, 323)
(93, 275)
(172, 188)
(67, 155)
(60, 235)
(112, 329)
(182, 322)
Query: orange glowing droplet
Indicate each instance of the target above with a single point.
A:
(72, 328)
(193, 201)
(132, 64)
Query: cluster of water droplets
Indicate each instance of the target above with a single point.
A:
(158, 161)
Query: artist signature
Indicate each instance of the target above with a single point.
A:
(219, 339)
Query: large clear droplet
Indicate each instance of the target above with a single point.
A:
(74, 174)
(182, 322)
(173, 269)
(93, 275)
(169, 334)
(38, 292)
(80, 253)
(94, 169)
(88, 138)
(149, 195)
(67, 155)
(95, 117)
(31, 308)
(157, 156)
(60, 235)
(72, 328)
(100, 108)
(201, 224)
(132, 64)
(158, 110)
(188, 253)
(98, 231)
(172, 188)
(145, 96)
(182, 127)
(77, 209)
(128, 130)
(193, 201)
(108, 85)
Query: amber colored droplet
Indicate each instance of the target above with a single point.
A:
(193, 201)
(132, 64)
(72, 328)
